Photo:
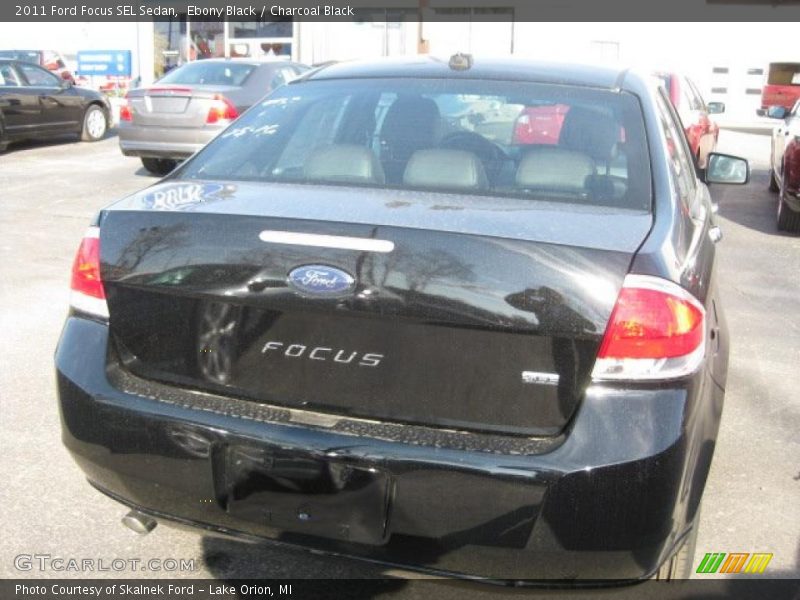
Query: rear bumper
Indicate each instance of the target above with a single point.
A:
(610, 501)
(163, 142)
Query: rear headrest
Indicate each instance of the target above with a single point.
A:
(445, 169)
(412, 121)
(554, 168)
(343, 163)
(590, 131)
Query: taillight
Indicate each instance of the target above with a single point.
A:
(88, 294)
(221, 110)
(125, 112)
(656, 331)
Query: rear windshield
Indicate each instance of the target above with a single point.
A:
(536, 141)
(209, 73)
(784, 74)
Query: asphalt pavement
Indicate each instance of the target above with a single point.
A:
(48, 194)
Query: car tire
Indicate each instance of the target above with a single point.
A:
(788, 219)
(159, 166)
(773, 182)
(679, 566)
(95, 124)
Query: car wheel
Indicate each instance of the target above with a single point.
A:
(773, 182)
(788, 220)
(95, 124)
(159, 166)
(679, 566)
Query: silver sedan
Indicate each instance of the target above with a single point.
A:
(176, 116)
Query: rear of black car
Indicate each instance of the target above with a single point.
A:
(365, 320)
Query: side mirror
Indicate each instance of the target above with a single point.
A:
(715, 108)
(65, 84)
(724, 168)
(777, 112)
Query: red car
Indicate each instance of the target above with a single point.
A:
(539, 124)
(782, 87)
(785, 166)
(701, 131)
(542, 124)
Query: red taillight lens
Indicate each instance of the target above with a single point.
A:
(651, 324)
(656, 331)
(88, 294)
(221, 110)
(125, 112)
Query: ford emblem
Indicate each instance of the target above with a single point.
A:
(320, 280)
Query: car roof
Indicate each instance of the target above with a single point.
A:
(509, 69)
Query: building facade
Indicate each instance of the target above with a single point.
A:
(727, 60)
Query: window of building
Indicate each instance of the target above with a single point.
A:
(281, 28)
(169, 45)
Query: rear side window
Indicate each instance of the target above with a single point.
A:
(281, 76)
(209, 73)
(8, 77)
(536, 141)
(697, 97)
(38, 77)
(681, 165)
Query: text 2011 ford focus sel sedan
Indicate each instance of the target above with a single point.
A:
(365, 319)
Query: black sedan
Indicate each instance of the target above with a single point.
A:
(367, 320)
(36, 104)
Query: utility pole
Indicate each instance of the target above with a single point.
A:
(422, 44)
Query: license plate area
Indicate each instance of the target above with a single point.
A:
(300, 493)
(166, 104)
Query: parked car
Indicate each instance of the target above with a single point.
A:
(540, 124)
(36, 104)
(701, 131)
(784, 174)
(356, 323)
(172, 119)
(782, 85)
(47, 59)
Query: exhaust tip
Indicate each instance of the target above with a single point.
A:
(139, 522)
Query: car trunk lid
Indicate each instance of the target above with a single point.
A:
(463, 312)
(175, 105)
